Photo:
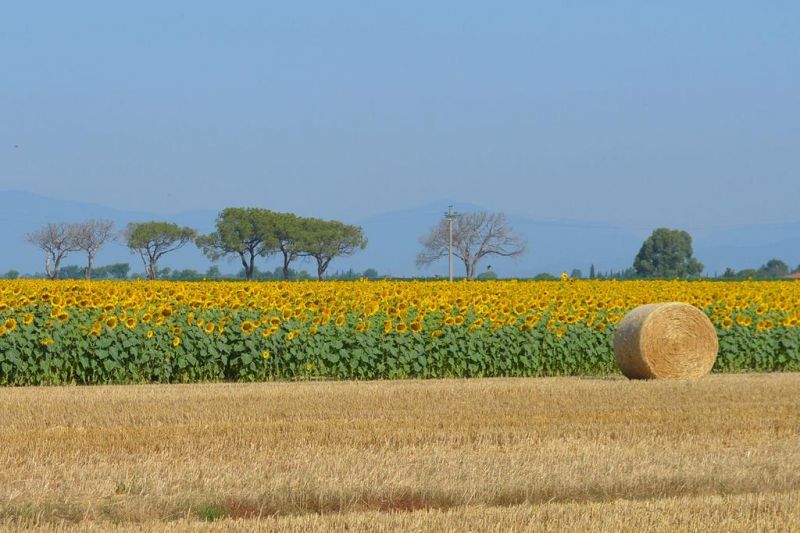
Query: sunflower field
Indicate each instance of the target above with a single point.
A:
(134, 332)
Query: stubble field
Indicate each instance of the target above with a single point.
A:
(721, 453)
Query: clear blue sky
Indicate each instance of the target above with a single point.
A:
(640, 113)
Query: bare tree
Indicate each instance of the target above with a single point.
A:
(57, 240)
(475, 235)
(90, 236)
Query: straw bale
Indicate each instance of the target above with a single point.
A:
(670, 340)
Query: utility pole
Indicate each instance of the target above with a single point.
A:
(450, 215)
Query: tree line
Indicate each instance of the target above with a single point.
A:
(247, 234)
(242, 233)
(665, 254)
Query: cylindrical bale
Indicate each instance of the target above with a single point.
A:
(665, 340)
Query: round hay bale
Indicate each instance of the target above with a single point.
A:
(665, 340)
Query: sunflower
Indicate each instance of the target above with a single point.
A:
(176, 342)
(27, 319)
(111, 322)
(248, 327)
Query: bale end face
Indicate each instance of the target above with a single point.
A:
(665, 341)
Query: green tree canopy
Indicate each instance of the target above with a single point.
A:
(774, 268)
(667, 253)
(151, 240)
(324, 240)
(243, 232)
(290, 234)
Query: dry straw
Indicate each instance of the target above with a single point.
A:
(665, 340)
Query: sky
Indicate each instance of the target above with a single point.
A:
(639, 113)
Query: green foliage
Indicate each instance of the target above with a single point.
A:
(113, 271)
(773, 269)
(325, 240)
(667, 254)
(291, 233)
(151, 240)
(183, 349)
(242, 232)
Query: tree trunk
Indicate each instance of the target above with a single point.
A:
(467, 268)
(88, 273)
(56, 262)
(321, 266)
(285, 266)
(152, 269)
(248, 272)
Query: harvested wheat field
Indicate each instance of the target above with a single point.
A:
(721, 453)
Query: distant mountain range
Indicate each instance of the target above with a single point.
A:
(554, 245)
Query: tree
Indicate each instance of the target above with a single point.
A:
(289, 232)
(118, 270)
(213, 272)
(71, 272)
(57, 240)
(151, 240)
(475, 236)
(114, 271)
(325, 240)
(90, 236)
(774, 268)
(576, 273)
(487, 274)
(591, 272)
(667, 253)
(245, 232)
(11, 274)
(747, 273)
(370, 273)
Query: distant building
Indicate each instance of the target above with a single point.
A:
(793, 275)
